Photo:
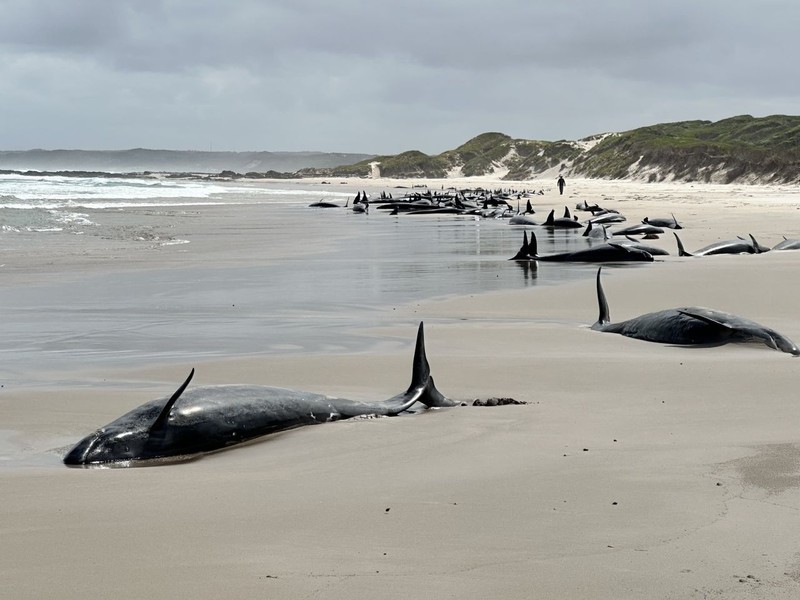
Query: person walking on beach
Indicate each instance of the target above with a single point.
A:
(561, 183)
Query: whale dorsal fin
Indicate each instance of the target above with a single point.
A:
(162, 417)
(681, 250)
(549, 220)
(604, 316)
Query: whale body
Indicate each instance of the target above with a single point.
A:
(691, 325)
(210, 418)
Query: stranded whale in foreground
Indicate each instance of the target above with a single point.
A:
(692, 325)
(212, 418)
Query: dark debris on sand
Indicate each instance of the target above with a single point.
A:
(497, 402)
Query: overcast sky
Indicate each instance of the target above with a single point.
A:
(381, 76)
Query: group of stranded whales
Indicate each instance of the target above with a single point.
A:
(191, 423)
(194, 422)
(680, 326)
(598, 227)
(490, 204)
(497, 204)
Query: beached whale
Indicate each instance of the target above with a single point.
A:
(787, 244)
(692, 325)
(671, 223)
(608, 252)
(607, 218)
(565, 222)
(583, 205)
(593, 232)
(630, 242)
(640, 229)
(211, 418)
(737, 246)
(522, 219)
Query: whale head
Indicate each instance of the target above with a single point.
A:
(784, 344)
(141, 434)
(107, 445)
(770, 337)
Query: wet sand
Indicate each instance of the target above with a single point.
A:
(636, 470)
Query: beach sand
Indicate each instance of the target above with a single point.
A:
(636, 470)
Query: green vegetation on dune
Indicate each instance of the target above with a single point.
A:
(537, 157)
(480, 154)
(484, 154)
(742, 148)
(408, 164)
(414, 164)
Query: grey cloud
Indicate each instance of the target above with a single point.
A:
(368, 76)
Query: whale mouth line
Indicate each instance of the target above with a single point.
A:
(136, 462)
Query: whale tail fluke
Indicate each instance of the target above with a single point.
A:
(533, 247)
(422, 384)
(757, 248)
(681, 250)
(433, 398)
(603, 318)
(422, 388)
(528, 250)
(522, 253)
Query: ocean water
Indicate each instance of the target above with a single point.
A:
(337, 271)
(56, 203)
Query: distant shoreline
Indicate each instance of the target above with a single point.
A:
(274, 176)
